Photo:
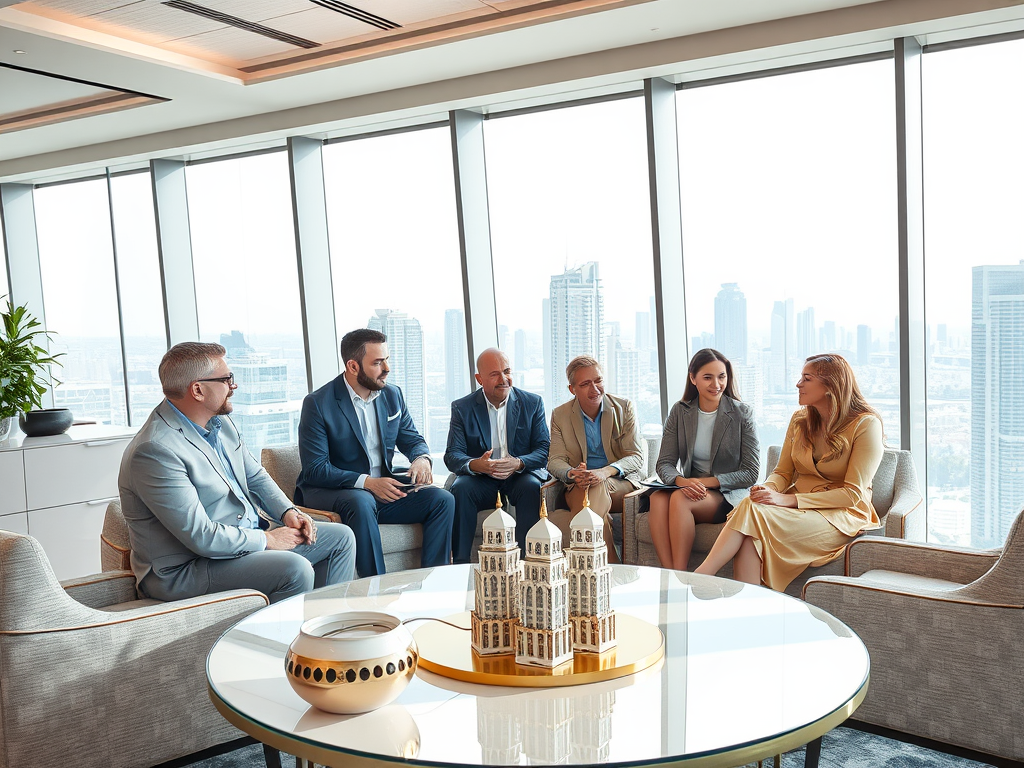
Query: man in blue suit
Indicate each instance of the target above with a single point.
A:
(497, 442)
(348, 432)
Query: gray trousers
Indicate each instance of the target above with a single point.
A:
(283, 573)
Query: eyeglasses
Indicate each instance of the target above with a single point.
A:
(229, 379)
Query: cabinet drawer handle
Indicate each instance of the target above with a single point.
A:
(102, 501)
(92, 443)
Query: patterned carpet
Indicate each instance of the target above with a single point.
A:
(842, 748)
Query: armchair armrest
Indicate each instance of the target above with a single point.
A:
(630, 510)
(959, 564)
(835, 595)
(553, 493)
(906, 517)
(102, 589)
(321, 515)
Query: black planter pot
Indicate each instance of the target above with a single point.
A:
(48, 421)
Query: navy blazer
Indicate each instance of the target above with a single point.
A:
(331, 446)
(469, 435)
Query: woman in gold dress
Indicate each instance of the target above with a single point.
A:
(819, 496)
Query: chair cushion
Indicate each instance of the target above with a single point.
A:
(283, 465)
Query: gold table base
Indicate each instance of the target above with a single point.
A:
(448, 651)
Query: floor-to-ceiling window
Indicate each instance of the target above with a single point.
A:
(788, 193)
(247, 288)
(76, 263)
(395, 264)
(974, 300)
(4, 287)
(142, 306)
(571, 237)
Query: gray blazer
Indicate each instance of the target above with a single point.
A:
(180, 508)
(735, 458)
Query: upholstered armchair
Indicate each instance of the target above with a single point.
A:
(93, 676)
(945, 630)
(894, 494)
(402, 544)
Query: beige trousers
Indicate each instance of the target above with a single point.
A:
(604, 499)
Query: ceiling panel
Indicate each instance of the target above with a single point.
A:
(230, 45)
(30, 90)
(156, 21)
(320, 25)
(407, 12)
(74, 7)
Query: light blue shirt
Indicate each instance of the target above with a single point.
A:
(596, 457)
(249, 518)
(366, 412)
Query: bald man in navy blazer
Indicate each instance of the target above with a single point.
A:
(498, 442)
(348, 432)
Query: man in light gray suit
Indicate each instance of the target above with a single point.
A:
(190, 490)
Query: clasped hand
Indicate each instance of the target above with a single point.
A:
(587, 478)
(297, 528)
(762, 494)
(692, 488)
(499, 469)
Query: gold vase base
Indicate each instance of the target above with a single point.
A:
(449, 652)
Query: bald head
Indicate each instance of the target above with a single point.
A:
(494, 374)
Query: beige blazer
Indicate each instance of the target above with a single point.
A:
(840, 488)
(618, 436)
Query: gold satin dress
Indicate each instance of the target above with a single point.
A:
(833, 502)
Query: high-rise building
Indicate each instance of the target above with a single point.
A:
(827, 337)
(806, 334)
(405, 344)
(575, 321)
(783, 348)
(643, 331)
(863, 344)
(264, 414)
(731, 322)
(519, 362)
(456, 362)
(997, 402)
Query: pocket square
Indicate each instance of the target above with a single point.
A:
(392, 418)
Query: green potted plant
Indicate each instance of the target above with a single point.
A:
(24, 365)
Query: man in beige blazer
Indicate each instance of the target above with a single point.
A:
(595, 448)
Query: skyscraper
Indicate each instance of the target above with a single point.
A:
(806, 334)
(780, 361)
(731, 322)
(519, 364)
(456, 371)
(997, 402)
(405, 344)
(575, 316)
(863, 344)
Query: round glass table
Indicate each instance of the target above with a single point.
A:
(747, 673)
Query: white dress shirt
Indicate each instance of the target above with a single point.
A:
(499, 427)
(366, 412)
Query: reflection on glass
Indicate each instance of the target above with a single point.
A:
(569, 202)
(974, 294)
(563, 725)
(396, 268)
(142, 309)
(789, 227)
(4, 287)
(76, 262)
(247, 289)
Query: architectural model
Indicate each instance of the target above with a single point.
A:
(590, 584)
(543, 637)
(497, 576)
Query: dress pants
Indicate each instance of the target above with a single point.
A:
(475, 492)
(432, 507)
(280, 573)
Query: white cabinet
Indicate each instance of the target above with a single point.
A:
(56, 489)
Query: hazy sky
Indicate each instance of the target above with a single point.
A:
(788, 188)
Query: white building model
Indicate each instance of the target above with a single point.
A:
(543, 637)
(497, 576)
(590, 584)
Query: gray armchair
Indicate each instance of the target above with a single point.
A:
(945, 630)
(402, 544)
(95, 677)
(894, 493)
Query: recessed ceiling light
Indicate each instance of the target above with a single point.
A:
(20, 52)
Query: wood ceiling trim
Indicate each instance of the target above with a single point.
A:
(114, 101)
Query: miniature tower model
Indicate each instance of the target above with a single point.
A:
(543, 637)
(497, 575)
(590, 583)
